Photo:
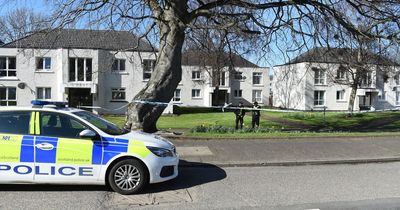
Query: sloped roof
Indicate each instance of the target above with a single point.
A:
(340, 55)
(199, 58)
(82, 39)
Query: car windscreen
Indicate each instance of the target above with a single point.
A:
(102, 124)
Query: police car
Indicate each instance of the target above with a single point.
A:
(50, 143)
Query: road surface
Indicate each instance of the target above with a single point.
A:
(365, 186)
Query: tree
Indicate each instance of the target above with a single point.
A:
(216, 52)
(20, 23)
(168, 21)
(362, 58)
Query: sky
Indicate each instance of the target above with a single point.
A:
(45, 7)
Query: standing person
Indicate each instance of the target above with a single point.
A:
(240, 112)
(255, 121)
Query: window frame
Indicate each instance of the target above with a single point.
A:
(342, 94)
(65, 115)
(118, 62)
(236, 77)
(119, 90)
(149, 71)
(176, 95)
(44, 91)
(86, 77)
(29, 112)
(318, 79)
(316, 101)
(43, 65)
(196, 75)
(255, 98)
(367, 80)
(341, 73)
(257, 74)
(238, 93)
(8, 69)
(7, 100)
(194, 95)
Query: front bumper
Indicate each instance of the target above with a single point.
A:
(157, 174)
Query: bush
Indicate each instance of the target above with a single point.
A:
(222, 129)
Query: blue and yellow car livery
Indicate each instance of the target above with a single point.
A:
(59, 145)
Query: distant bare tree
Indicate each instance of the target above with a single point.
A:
(20, 23)
(218, 51)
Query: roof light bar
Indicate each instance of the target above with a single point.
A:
(43, 103)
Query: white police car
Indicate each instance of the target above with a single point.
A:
(52, 144)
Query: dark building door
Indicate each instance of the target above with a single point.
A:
(79, 97)
(220, 97)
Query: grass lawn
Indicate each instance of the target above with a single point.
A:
(302, 123)
(188, 121)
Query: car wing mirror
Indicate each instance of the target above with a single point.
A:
(87, 134)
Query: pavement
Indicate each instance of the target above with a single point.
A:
(287, 152)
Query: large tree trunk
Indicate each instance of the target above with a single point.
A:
(352, 98)
(165, 78)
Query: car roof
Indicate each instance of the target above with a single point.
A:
(41, 108)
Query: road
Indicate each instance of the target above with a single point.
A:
(366, 186)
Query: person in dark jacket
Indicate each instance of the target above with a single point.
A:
(255, 120)
(240, 112)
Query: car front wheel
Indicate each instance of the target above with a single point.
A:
(128, 177)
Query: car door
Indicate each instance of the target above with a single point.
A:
(61, 156)
(16, 146)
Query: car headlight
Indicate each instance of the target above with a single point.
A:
(161, 152)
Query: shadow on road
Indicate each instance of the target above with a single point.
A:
(188, 177)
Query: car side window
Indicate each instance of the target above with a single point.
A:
(15, 122)
(60, 125)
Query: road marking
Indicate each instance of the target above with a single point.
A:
(193, 151)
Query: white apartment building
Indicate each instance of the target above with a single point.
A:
(316, 80)
(103, 69)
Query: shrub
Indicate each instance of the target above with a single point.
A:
(222, 129)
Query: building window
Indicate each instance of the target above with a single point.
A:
(341, 73)
(319, 76)
(196, 93)
(367, 80)
(382, 95)
(397, 97)
(148, 67)
(257, 78)
(8, 96)
(319, 98)
(118, 65)
(397, 78)
(238, 93)
(222, 79)
(196, 75)
(177, 95)
(80, 69)
(340, 95)
(43, 93)
(8, 67)
(239, 76)
(43, 64)
(257, 96)
(118, 94)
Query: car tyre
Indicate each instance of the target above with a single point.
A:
(128, 177)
